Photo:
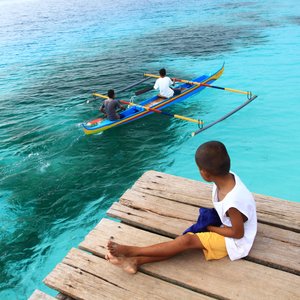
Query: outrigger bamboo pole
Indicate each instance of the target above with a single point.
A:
(202, 84)
(226, 116)
(199, 122)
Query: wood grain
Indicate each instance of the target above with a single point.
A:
(277, 212)
(273, 246)
(221, 279)
(39, 295)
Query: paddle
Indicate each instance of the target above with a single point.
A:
(131, 85)
(126, 88)
(203, 84)
(199, 122)
(145, 90)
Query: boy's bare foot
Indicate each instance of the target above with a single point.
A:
(117, 249)
(128, 264)
(113, 259)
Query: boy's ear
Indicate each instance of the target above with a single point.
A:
(205, 174)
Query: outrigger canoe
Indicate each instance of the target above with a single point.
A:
(147, 107)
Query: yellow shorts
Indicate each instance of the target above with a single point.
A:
(214, 245)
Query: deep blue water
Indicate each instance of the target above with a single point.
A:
(56, 183)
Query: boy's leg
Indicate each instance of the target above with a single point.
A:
(166, 249)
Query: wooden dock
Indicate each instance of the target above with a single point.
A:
(159, 207)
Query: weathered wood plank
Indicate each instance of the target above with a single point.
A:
(270, 210)
(273, 246)
(39, 295)
(63, 297)
(161, 206)
(215, 278)
(277, 248)
(84, 286)
(97, 241)
(143, 285)
(170, 209)
(148, 220)
(183, 191)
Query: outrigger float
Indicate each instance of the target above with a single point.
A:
(156, 104)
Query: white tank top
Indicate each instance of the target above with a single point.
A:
(241, 199)
(163, 84)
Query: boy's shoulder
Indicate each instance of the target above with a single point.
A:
(241, 196)
(240, 184)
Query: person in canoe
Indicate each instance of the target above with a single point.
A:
(164, 84)
(109, 106)
(233, 203)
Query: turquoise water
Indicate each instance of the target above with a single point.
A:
(56, 183)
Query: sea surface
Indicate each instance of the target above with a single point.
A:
(56, 183)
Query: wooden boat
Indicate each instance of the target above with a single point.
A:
(136, 112)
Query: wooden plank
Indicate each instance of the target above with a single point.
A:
(99, 247)
(275, 247)
(157, 205)
(190, 270)
(155, 102)
(171, 209)
(270, 210)
(278, 212)
(143, 285)
(148, 220)
(63, 297)
(84, 286)
(39, 295)
(174, 188)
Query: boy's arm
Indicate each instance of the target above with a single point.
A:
(120, 106)
(237, 229)
(102, 108)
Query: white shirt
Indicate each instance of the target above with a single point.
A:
(241, 199)
(163, 84)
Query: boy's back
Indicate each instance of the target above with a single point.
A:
(241, 199)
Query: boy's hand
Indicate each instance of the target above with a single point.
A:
(209, 227)
(237, 229)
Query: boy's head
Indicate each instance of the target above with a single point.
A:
(162, 72)
(111, 94)
(212, 159)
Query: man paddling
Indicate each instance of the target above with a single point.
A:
(163, 83)
(110, 105)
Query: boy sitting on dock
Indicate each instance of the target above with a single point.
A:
(234, 204)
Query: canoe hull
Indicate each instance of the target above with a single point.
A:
(134, 113)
